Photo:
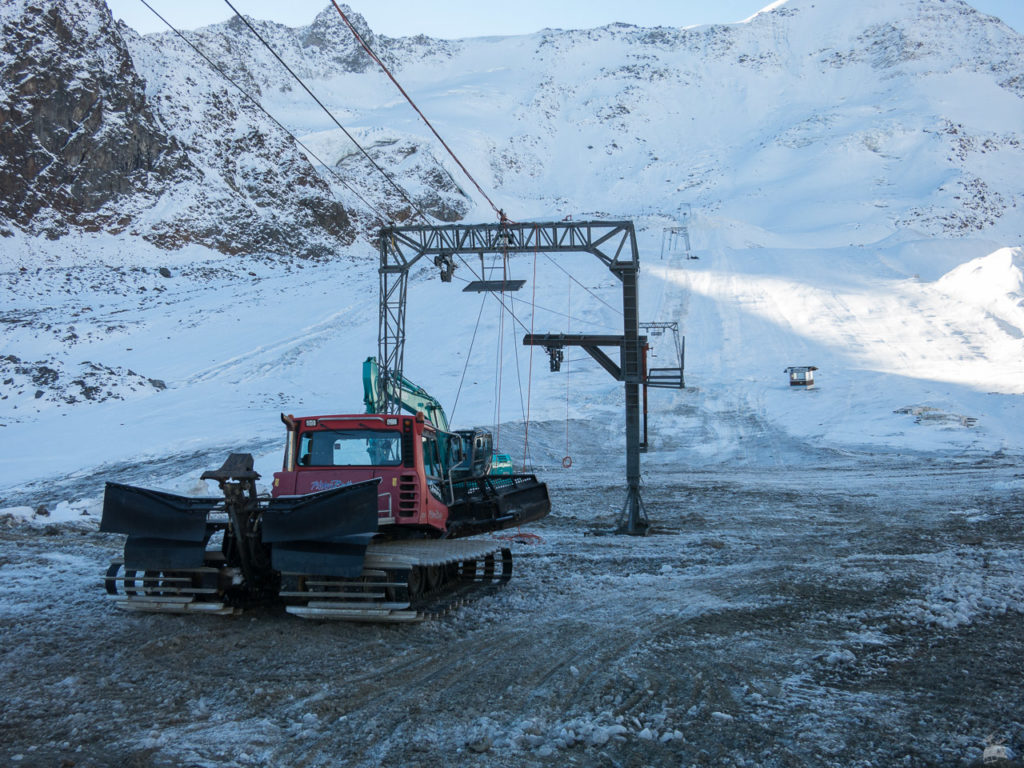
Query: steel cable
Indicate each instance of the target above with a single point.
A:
(328, 112)
(372, 208)
(372, 55)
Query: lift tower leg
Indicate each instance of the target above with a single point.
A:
(633, 519)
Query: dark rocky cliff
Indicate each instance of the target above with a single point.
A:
(75, 130)
(82, 145)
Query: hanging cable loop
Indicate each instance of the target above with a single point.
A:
(529, 376)
(567, 460)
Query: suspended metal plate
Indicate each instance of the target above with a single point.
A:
(482, 286)
(665, 378)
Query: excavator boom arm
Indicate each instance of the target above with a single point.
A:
(408, 396)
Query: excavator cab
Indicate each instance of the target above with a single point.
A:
(476, 447)
(456, 450)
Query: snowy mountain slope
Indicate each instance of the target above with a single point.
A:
(853, 173)
(192, 98)
(903, 362)
(874, 126)
(887, 114)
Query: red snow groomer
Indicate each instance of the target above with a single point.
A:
(366, 522)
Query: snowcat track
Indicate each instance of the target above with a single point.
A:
(192, 590)
(403, 581)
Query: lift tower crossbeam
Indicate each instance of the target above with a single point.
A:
(613, 242)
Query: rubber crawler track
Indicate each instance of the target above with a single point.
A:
(402, 581)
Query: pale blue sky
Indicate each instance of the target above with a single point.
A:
(472, 18)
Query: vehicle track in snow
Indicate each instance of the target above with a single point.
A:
(264, 359)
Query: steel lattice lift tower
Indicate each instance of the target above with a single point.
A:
(613, 242)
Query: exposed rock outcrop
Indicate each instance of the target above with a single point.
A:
(84, 144)
(75, 129)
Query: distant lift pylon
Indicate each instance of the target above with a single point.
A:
(613, 242)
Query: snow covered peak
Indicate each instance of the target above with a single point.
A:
(767, 9)
(330, 34)
(995, 278)
(330, 19)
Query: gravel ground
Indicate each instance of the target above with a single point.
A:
(861, 613)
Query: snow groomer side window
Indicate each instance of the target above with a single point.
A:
(305, 448)
(350, 448)
(431, 458)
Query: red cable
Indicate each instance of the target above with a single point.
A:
(567, 461)
(529, 376)
(369, 51)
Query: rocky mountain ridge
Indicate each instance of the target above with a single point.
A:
(75, 127)
(104, 129)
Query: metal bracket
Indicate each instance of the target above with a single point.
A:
(447, 266)
(556, 356)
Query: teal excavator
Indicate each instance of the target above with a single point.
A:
(471, 455)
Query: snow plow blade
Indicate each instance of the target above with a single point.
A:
(165, 531)
(308, 535)
(497, 502)
(206, 554)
